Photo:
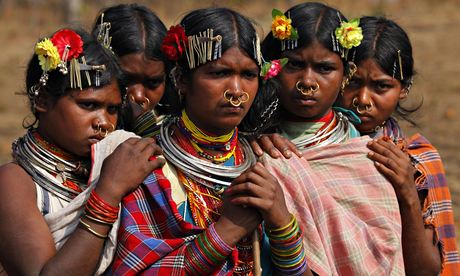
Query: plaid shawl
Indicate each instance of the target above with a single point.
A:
(153, 235)
(348, 211)
(437, 206)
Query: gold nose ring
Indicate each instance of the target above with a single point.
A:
(244, 98)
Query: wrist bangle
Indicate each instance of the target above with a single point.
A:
(92, 231)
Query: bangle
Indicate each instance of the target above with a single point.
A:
(92, 231)
(292, 221)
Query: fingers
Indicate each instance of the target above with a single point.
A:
(267, 145)
(285, 146)
(256, 148)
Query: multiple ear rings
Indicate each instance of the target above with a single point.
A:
(351, 71)
(361, 109)
(236, 101)
(307, 91)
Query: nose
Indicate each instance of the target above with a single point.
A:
(364, 96)
(136, 94)
(103, 125)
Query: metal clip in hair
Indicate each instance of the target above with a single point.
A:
(257, 53)
(205, 45)
(400, 65)
(98, 68)
(103, 33)
(63, 64)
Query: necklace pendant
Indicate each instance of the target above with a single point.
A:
(60, 167)
(61, 177)
(227, 147)
(219, 189)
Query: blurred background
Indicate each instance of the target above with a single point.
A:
(432, 26)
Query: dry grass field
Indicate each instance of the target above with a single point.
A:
(432, 26)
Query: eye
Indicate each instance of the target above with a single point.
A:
(250, 74)
(295, 64)
(114, 109)
(381, 86)
(219, 73)
(153, 83)
(325, 69)
(354, 83)
(88, 105)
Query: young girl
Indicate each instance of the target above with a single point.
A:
(72, 87)
(197, 215)
(134, 33)
(315, 71)
(383, 80)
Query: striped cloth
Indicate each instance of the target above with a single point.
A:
(153, 236)
(437, 206)
(347, 209)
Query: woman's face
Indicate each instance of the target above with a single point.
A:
(145, 81)
(373, 93)
(80, 118)
(310, 68)
(205, 104)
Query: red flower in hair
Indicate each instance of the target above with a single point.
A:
(68, 37)
(173, 45)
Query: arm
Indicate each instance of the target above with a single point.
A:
(30, 249)
(421, 256)
(257, 188)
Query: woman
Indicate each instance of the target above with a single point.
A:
(382, 82)
(197, 215)
(73, 91)
(134, 33)
(315, 71)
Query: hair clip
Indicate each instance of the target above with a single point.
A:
(103, 33)
(282, 29)
(205, 45)
(257, 53)
(400, 65)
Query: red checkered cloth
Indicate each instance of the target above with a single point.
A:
(347, 209)
(153, 236)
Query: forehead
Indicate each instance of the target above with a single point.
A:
(235, 56)
(109, 93)
(371, 68)
(314, 51)
(138, 63)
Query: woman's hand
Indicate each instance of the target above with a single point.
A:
(126, 168)
(396, 166)
(274, 144)
(258, 189)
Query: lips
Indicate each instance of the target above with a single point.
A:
(96, 138)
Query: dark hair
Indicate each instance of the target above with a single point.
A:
(236, 30)
(382, 40)
(136, 29)
(313, 21)
(58, 84)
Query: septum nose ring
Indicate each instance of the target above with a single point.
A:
(361, 109)
(238, 100)
(307, 91)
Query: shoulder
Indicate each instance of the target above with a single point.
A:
(16, 187)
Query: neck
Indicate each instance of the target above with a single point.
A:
(326, 118)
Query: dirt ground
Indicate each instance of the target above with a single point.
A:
(431, 26)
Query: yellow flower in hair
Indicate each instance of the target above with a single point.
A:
(281, 27)
(349, 34)
(48, 55)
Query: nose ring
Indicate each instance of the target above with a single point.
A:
(361, 109)
(236, 101)
(309, 91)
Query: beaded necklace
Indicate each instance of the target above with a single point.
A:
(337, 130)
(201, 139)
(56, 171)
(204, 181)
